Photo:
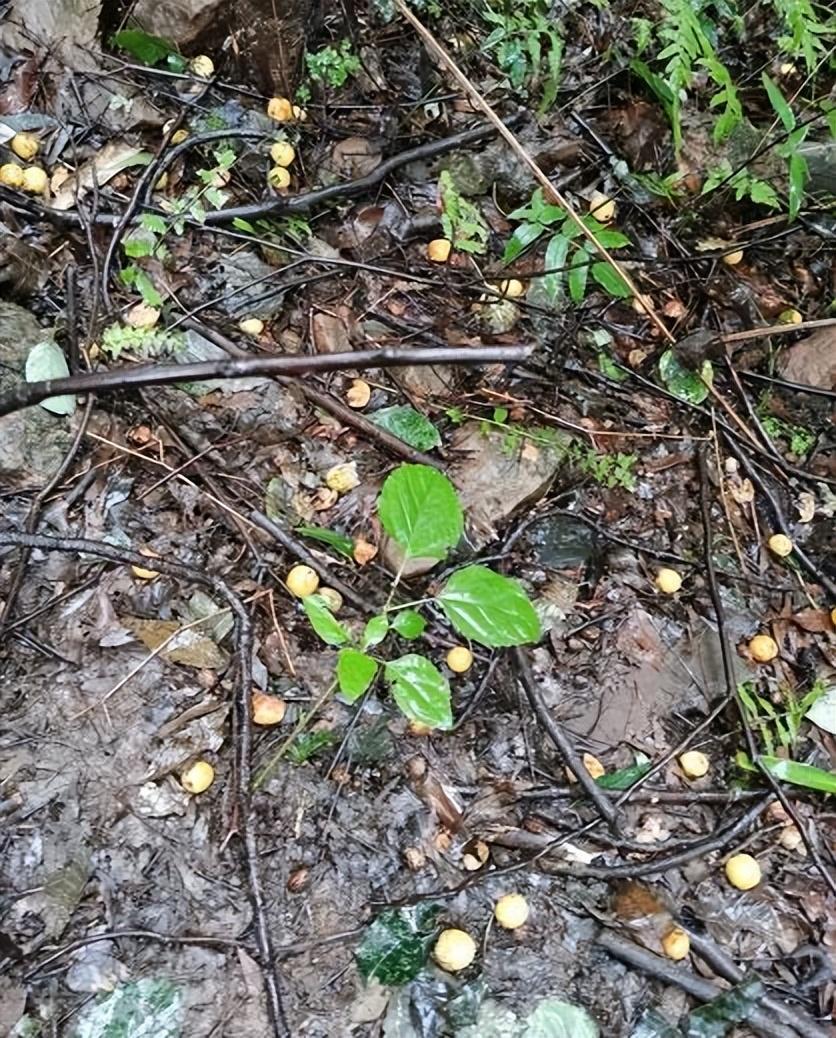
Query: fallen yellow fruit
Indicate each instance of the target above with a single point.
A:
(282, 153)
(278, 178)
(668, 581)
(790, 316)
(144, 574)
(11, 175)
(743, 872)
(198, 778)
(512, 288)
(35, 180)
(299, 114)
(25, 146)
(267, 710)
(202, 66)
(511, 911)
(280, 109)
(676, 944)
(343, 477)
(731, 259)
(251, 326)
(358, 394)
(591, 764)
(179, 136)
(333, 599)
(302, 581)
(763, 648)
(459, 659)
(602, 207)
(439, 249)
(454, 950)
(780, 545)
(694, 764)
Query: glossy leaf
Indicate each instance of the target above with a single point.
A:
(46, 361)
(779, 103)
(553, 1018)
(408, 425)
(419, 509)
(579, 275)
(555, 262)
(150, 50)
(323, 621)
(145, 1008)
(526, 234)
(797, 183)
(488, 608)
(395, 946)
(715, 1019)
(683, 383)
(338, 541)
(800, 774)
(624, 777)
(611, 281)
(355, 673)
(375, 631)
(420, 690)
(408, 623)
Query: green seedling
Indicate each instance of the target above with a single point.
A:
(527, 46)
(333, 66)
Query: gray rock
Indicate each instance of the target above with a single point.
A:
(33, 442)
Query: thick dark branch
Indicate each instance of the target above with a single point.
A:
(27, 394)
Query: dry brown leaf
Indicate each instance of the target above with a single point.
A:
(104, 166)
(364, 551)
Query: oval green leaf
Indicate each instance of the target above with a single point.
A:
(683, 383)
(408, 425)
(611, 281)
(46, 361)
(355, 673)
(419, 509)
(375, 631)
(420, 690)
(408, 623)
(326, 625)
(488, 608)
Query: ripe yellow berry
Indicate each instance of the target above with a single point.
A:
(359, 393)
(511, 911)
(592, 765)
(278, 178)
(302, 581)
(743, 872)
(668, 581)
(11, 175)
(202, 66)
(179, 136)
(267, 710)
(790, 316)
(762, 648)
(438, 250)
(299, 114)
(160, 185)
(198, 778)
(731, 259)
(454, 950)
(35, 180)
(333, 599)
(694, 764)
(280, 109)
(459, 659)
(602, 207)
(676, 944)
(282, 153)
(780, 545)
(512, 288)
(251, 326)
(833, 616)
(25, 146)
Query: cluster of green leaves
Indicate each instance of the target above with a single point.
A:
(294, 227)
(778, 727)
(527, 46)
(805, 35)
(713, 1020)
(568, 256)
(798, 438)
(743, 182)
(333, 66)
(146, 343)
(461, 220)
(420, 512)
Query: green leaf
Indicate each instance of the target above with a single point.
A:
(323, 621)
(797, 182)
(146, 1008)
(420, 690)
(800, 774)
(419, 509)
(308, 744)
(395, 946)
(611, 239)
(150, 50)
(681, 381)
(611, 281)
(488, 608)
(408, 425)
(555, 260)
(715, 1019)
(764, 194)
(555, 1019)
(579, 275)
(624, 777)
(145, 286)
(779, 103)
(608, 367)
(376, 630)
(408, 623)
(355, 673)
(44, 362)
(526, 234)
(336, 540)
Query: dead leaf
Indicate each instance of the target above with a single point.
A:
(107, 162)
(806, 505)
(364, 551)
(812, 362)
(741, 490)
(187, 646)
(354, 157)
(814, 620)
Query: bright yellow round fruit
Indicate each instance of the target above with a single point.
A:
(202, 66)
(302, 581)
(439, 249)
(668, 581)
(511, 911)
(198, 778)
(459, 659)
(278, 178)
(601, 207)
(267, 710)
(25, 146)
(454, 950)
(676, 944)
(282, 153)
(333, 599)
(791, 316)
(179, 136)
(743, 872)
(694, 764)
(280, 109)
(780, 545)
(731, 259)
(512, 288)
(35, 180)
(11, 175)
(763, 648)
(251, 326)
